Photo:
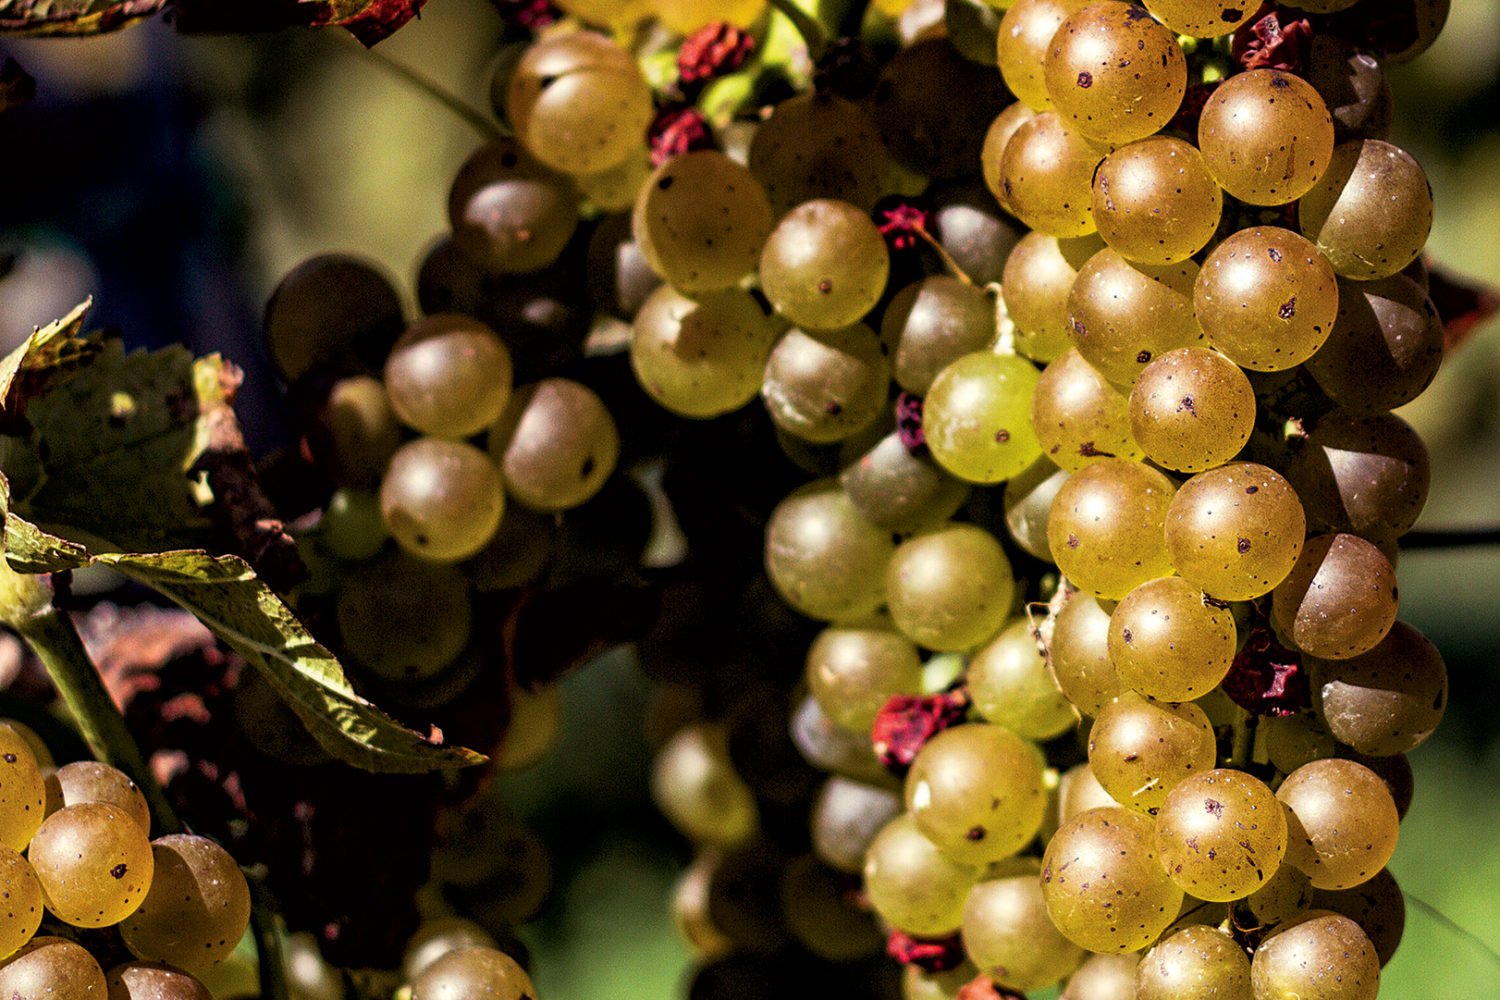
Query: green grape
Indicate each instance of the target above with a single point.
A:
(1103, 977)
(1342, 822)
(94, 864)
(687, 16)
(1028, 503)
(198, 906)
(898, 490)
(832, 748)
(616, 188)
(1009, 936)
(1235, 531)
(21, 914)
(578, 102)
(1140, 749)
(404, 618)
(823, 557)
(819, 145)
(1115, 75)
(951, 588)
(1195, 963)
(823, 916)
(1047, 175)
(1155, 201)
(923, 123)
(932, 323)
(1339, 599)
(1123, 315)
(1368, 475)
(354, 432)
(1221, 834)
(690, 917)
(1103, 883)
(1079, 417)
(1106, 527)
(556, 444)
(1387, 700)
(1080, 655)
(1353, 85)
(473, 972)
(824, 265)
(1025, 36)
(977, 417)
(1385, 348)
(1192, 409)
(532, 729)
(823, 386)
(1010, 685)
(705, 357)
(853, 669)
(1266, 136)
(701, 220)
(1168, 641)
(32, 739)
(23, 793)
(695, 785)
(1285, 894)
(436, 937)
(1078, 791)
(1371, 211)
(442, 500)
(1038, 276)
(517, 553)
(1203, 18)
(93, 781)
(992, 153)
(351, 526)
(846, 815)
(911, 884)
(448, 376)
(1321, 956)
(153, 981)
(54, 968)
(1377, 906)
(331, 311)
(1293, 740)
(976, 792)
(508, 212)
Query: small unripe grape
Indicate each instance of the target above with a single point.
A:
(94, 864)
(823, 557)
(1140, 750)
(701, 220)
(951, 588)
(1319, 954)
(1203, 18)
(1104, 885)
(1155, 201)
(912, 884)
(1235, 531)
(1011, 685)
(1047, 176)
(1371, 211)
(442, 500)
(1339, 599)
(93, 781)
(1221, 834)
(198, 906)
(1342, 822)
(556, 444)
(977, 417)
(473, 972)
(1079, 417)
(1168, 641)
(824, 265)
(1038, 276)
(1025, 35)
(1266, 136)
(1123, 316)
(976, 792)
(824, 386)
(1106, 527)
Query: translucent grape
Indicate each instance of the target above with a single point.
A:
(846, 815)
(441, 499)
(823, 557)
(23, 792)
(1168, 641)
(976, 792)
(1339, 600)
(1078, 791)
(21, 914)
(1011, 686)
(1221, 834)
(470, 972)
(703, 357)
(1038, 276)
(824, 386)
(93, 781)
(977, 417)
(824, 265)
(853, 669)
(332, 311)
(819, 145)
(1203, 18)
(403, 617)
(1028, 503)
(198, 906)
(701, 220)
(1319, 954)
(1103, 883)
(556, 444)
(1368, 475)
(94, 864)
(932, 323)
(1140, 750)
(912, 884)
(448, 376)
(950, 588)
(1371, 211)
(992, 153)
(1342, 822)
(1009, 936)
(1195, 963)
(1266, 136)
(153, 981)
(1235, 531)
(1377, 906)
(923, 126)
(1025, 35)
(1106, 527)
(1047, 175)
(1192, 409)
(1080, 655)
(696, 787)
(1155, 201)
(1385, 701)
(1079, 417)
(901, 491)
(1123, 316)
(1114, 74)
(54, 968)
(1385, 347)
(508, 212)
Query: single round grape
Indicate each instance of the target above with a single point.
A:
(695, 785)
(1203, 18)
(970, 225)
(819, 145)
(436, 937)
(94, 864)
(1235, 531)
(93, 781)
(1155, 201)
(473, 972)
(556, 444)
(54, 968)
(1123, 316)
(703, 357)
(853, 669)
(996, 138)
(198, 906)
(32, 739)
(1378, 906)
(1221, 834)
(1025, 36)
(913, 885)
(1038, 276)
(950, 588)
(1103, 883)
(354, 431)
(1342, 822)
(533, 728)
(351, 526)
(976, 792)
(1385, 701)
(332, 311)
(448, 376)
(1192, 409)
(823, 557)
(1353, 85)
(1047, 175)
(922, 124)
(1385, 347)
(846, 816)
(1339, 600)
(1319, 954)
(1106, 527)
(509, 213)
(21, 893)
(1285, 894)
(1115, 74)
(1140, 749)
(615, 189)
(1371, 211)
(824, 265)
(153, 981)
(578, 102)
(824, 386)
(1368, 475)
(932, 323)
(1079, 417)
(901, 491)
(1103, 977)
(1080, 655)
(1078, 791)
(1009, 936)
(1168, 641)
(23, 792)
(701, 220)
(1194, 963)
(1011, 686)
(976, 418)
(1028, 503)
(403, 617)
(441, 499)
(1266, 136)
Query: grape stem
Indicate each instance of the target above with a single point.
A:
(1453, 925)
(1005, 336)
(487, 127)
(813, 35)
(272, 966)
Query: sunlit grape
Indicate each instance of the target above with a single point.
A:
(824, 558)
(702, 357)
(556, 444)
(1104, 884)
(996, 138)
(93, 781)
(1318, 954)
(701, 220)
(1192, 409)
(442, 500)
(1115, 74)
(853, 669)
(1011, 685)
(198, 906)
(1047, 174)
(470, 972)
(824, 265)
(1235, 531)
(976, 792)
(1155, 201)
(1008, 934)
(823, 386)
(1080, 655)
(54, 968)
(912, 884)
(1341, 821)
(977, 417)
(1106, 527)
(1194, 963)
(94, 864)
(1266, 136)
(1221, 834)
(1025, 34)
(22, 791)
(1168, 641)
(1038, 276)
(950, 588)
(1079, 417)
(1203, 18)
(1123, 316)
(1140, 749)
